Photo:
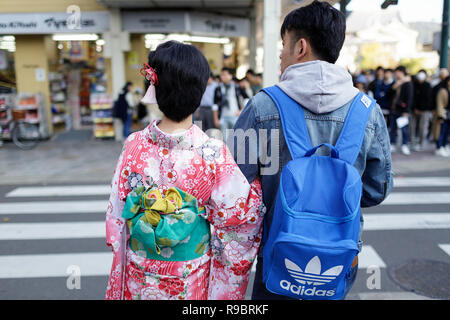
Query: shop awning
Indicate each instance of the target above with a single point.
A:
(235, 7)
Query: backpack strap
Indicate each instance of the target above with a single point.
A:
(352, 133)
(293, 122)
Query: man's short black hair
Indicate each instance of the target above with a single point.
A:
(323, 25)
(229, 70)
(402, 69)
(183, 73)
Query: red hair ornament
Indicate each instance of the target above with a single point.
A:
(150, 74)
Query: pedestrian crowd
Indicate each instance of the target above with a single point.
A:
(225, 97)
(414, 106)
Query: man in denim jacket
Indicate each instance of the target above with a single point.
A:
(312, 38)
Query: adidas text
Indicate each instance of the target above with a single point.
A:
(300, 290)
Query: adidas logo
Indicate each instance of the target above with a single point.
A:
(312, 274)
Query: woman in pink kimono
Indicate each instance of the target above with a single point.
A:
(182, 220)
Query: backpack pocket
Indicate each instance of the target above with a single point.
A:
(305, 269)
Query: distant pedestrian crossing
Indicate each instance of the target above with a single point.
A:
(48, 212)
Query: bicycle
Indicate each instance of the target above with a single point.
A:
(24, 134)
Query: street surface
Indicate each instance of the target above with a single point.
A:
(52, 208)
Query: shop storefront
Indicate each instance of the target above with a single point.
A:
(56, 68)
(67, 63)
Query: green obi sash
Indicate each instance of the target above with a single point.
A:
(166, 226)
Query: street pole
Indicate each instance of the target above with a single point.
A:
(271, 22)
(443, 63)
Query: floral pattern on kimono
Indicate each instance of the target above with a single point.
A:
(204, 168)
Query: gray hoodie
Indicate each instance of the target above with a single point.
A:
(318, 86)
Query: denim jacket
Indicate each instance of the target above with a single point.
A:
(373, 162)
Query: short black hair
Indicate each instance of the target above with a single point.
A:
(402, 69)
(183, 73)
(323, 25)
(229, 70)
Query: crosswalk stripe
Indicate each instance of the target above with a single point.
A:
(99, 264)
(86, 190)
(403, 221)
(54, 265)
(422, 182)
(52, 230)
(368, 257)
(445, 247)
(410, 198)
(53, 207)
(96, 229)
(91, 206)
(57, 191)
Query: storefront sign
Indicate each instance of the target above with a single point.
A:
(53, 22)
(224, 26)
(184, 22)
(153, 21)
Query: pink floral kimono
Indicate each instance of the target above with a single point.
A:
(204, 168)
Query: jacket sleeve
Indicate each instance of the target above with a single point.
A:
(235, 211)
(217, 106)
(441, 103)
(377, 177)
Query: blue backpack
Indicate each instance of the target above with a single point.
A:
(313, 238)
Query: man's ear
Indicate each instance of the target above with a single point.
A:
(302, 49)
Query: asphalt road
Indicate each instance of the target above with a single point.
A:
(43, 233)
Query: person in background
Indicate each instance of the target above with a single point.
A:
(132, 103)
(204, 113)
(443, 116)
(386, 95)
(255, 81)
(382, 92)
(361, 82)
(227, 101)
(246, 90)
(436, 125)
(401, 107)
(123, 112)
(422, 107)
(373, 85)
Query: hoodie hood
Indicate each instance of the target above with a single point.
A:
(318, 86)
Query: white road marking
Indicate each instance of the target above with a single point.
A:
(58, 191)
(54, 265)
(53, 207)
(369, 257)
(409, 198)
(52, 230)
(405, 221)
(445, 247)
(422, 182)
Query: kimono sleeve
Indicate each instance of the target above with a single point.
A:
(114, 221)
(116, 233)
(235, 211)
